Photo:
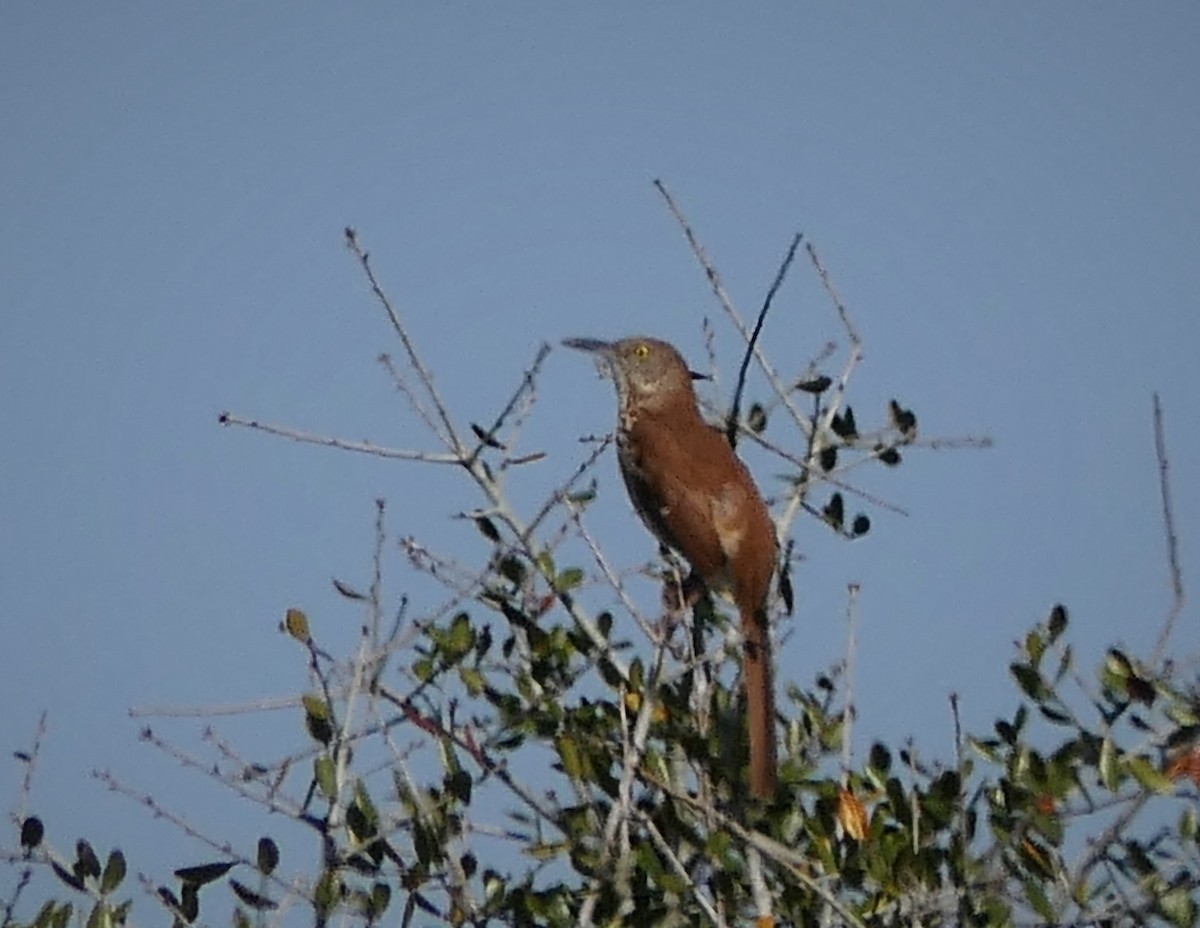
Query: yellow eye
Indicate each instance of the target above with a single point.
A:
(641, 350)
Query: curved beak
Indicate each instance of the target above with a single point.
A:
(594, 345)
(606, 351)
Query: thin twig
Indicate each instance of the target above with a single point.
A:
(525, 386)
(790, 859)
(610, 576)
(1164, 486)
(453, 442)
(822, 427)
(676, 865)
(714, 279)
(961, 802)
(851, 651)
(238, 708)
(398, 378)
(361, 447)
(731, 424)
(31, 762)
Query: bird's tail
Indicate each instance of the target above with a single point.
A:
(760, 702)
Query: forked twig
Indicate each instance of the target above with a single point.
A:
(714, 280)
(451, 438)
(523, 388)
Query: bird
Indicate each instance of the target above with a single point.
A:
(697, 497)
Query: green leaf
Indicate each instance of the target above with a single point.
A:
(568, 579)
(267, 856)
(296, 624)
(201, 874)
(315, 706)
(1065, 661)
(1117, 664)
(325, 775)
(985, 748)
(1148, 775)
(786, 592)
(572, 758)
(345, 589)
(423, 669)
(380, 898)
(1108, 766)
(583, 497)
(756, 418)
(1187, 823)
(904, 420)
(487, 528)
(44, 916)
(114, 872)
(250, 898)
(317, 718)
(1057, 623)
(1035, 647)
(1179, 906)
(1056, 716)
(32, 832)
(328, 892)
(472, 679)
(880, 758)
(461, 637)
(87, 864)
(1038, 901)
(189, 902)
(816, 385)
(511, 569)
(100, 917)
(459, 784)
(835, 511)
(844, 425)
(364, 803)
(1030, 681)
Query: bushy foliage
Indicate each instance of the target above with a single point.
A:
(521, 754)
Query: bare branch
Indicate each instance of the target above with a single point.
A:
(523, 389)
(714, 280)
(342, 444)
(851, 651)
(1168, 514)
(450, 435)
(731, 425)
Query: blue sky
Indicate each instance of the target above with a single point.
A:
(1006, 196)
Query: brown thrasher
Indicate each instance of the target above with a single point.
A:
(698, 498)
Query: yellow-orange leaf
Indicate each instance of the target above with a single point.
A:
(852, 814)
(296, 624)
(1045, 804)
(633, 702)
(1185, 765)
